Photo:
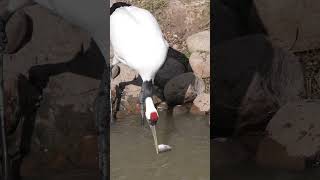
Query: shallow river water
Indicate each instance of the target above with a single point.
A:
(133, 155)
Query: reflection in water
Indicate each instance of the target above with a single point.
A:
(133, 156)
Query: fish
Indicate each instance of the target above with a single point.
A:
(161, 147)
(164, 148)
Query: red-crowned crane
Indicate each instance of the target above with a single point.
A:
(91, 16)
(138, 42)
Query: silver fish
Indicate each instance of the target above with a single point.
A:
(164, 148)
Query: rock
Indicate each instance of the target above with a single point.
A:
(130, 98)
(156, 99)
(126, 75)
(256, 78)
(285, 79)
(271, 154)
(200, 64)
(285, 25)
(202, 102)
(199, 42)
(122, 114)
(131, 90)
(171, 68)
(196, 111)
(158, 94)
(179, 110)
(296, 127)
(115, 71)
(19, 31)
(162, 106)
(183, 88)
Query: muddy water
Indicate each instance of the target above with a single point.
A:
(133, 155)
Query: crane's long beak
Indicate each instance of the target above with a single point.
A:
(155, 139)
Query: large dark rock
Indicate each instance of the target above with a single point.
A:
(183, 88)
(252, 80)
(269, 91)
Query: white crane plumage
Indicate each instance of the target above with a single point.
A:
(138, 42)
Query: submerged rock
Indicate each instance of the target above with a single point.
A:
(196, 111)
(179, 109)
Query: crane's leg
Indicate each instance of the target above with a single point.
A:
(142, 105)
(102, 122)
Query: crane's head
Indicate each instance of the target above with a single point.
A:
(151, 112)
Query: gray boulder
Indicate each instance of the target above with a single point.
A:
(296, 126)
(200, 64)
(202, 102)
(199, 42)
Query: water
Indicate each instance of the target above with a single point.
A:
(250, 171)
(133, 155)
(229, 164)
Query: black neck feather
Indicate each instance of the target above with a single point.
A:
(147, 87)
(117, 5)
